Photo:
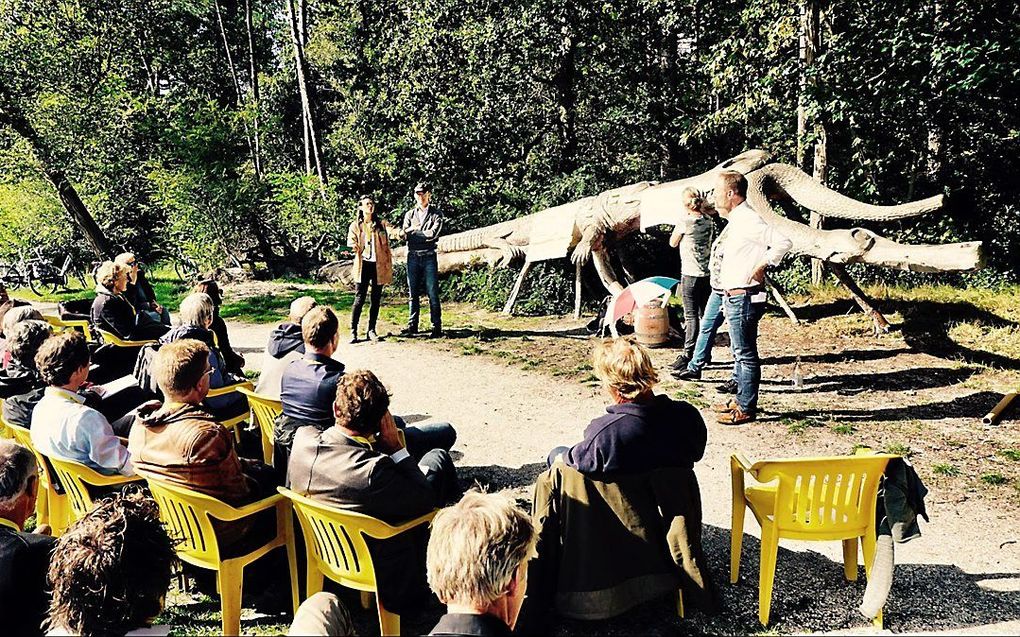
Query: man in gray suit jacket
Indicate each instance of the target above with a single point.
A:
(361, 464)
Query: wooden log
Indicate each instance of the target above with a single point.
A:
(995, 415)
(777, 294)
(577, 290)
(881, 325)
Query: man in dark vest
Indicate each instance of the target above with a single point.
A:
(422, 225)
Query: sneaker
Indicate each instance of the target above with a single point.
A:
(436, 334)
(408, 331)
(680, 363)
(726, 407)
(729, 387)
(372, 336)
(686, 374)
(354, 337)
(735, 417)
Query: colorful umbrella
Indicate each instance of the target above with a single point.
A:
(638, 294)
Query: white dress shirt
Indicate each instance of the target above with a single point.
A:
(749, 241)
(64, 428)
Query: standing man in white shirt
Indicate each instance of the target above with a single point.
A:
(752, 245)
(62, 426)
(422, 225)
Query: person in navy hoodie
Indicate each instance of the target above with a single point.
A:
(641, 431)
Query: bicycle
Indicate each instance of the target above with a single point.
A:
(44, 276)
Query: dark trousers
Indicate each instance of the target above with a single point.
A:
(423, 271)
(368, 279)
(694, 291)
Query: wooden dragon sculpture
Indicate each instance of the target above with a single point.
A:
(587, 228)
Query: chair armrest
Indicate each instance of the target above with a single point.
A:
(100, 480)
(864, 451)
(738, 460)
(416, 522)
(226, 389)
(82, 323)
(230, 514)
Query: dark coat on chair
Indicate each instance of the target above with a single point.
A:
(607, 546)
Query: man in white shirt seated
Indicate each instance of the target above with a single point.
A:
(285, 345)
(62, 426)
(751, 245)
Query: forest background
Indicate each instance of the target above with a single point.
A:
(248, 128)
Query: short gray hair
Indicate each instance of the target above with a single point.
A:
(197, 309)
(18, 314)
(301, 306)
(476, 547)
(25, 340)
(17, 466)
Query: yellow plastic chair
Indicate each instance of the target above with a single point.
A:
(233, 424)
(4, 431)
(189, 515)
(51, 507)
(336, 548)
(116, 341)
(78, 481)
(264, 411)
(813, 499)
(61, 325)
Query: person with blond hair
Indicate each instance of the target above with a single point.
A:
(111, 310)
(477, 564)
(693, 236)
(139, 292)
(641, 430)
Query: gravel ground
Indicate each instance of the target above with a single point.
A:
(963, 574)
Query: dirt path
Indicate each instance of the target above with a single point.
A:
(963, 573)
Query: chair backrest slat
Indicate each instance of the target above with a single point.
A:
(183, 511)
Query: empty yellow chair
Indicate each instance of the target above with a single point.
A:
(336, 548)
(815, 499)
(189, 516)
(113, 339)
(264, 411)
(51, 506)
(233, 424)
(78, 481)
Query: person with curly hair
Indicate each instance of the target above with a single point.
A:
(111, 570)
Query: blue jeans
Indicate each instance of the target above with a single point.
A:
(423, 268)
(743, 317)
(710, 322)
(422, 439)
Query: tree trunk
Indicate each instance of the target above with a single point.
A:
(55, 175)
(253, 73)
(252, 145)
(312, 140)
(812, 39)
(566, 96)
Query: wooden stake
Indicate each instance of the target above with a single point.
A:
(510, 302)
(858, 295)
(577, 290)
(777, 294)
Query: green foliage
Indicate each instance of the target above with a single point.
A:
(1011, 454)
(945, 469)
(548, 289)
(267, 308)
(899, 449)
(994, 479)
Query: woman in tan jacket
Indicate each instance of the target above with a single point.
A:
(373, 263)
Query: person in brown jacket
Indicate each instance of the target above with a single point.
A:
(373, 263)
(183, 444)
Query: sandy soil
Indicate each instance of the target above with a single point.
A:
(963, 574)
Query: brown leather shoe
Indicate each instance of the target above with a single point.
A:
(735, 417)
(726, 407)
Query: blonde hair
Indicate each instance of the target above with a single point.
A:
(180, 365)
(624, 365)
(109, 272)
(692, 199)
(197, 309)
(123, 258)
(476, 547)
(301, 306)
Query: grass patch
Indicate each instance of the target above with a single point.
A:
(470, 349)
(945, 469)
(899, 449)
(844, 429)
(1011, 454)
(268, 308)
(994, 479)
(797, 426)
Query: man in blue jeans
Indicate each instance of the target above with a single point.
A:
(751, 246)
(422, 225)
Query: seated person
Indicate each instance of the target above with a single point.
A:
(62, 425)
(285, 345)
(641, 431)
(184, 444)
(21, 375)
(234, 361)
(24, 557)
(342, 466)
(308, 388)
(196, 314)
(478, 564)
(111, 570)
(139, 292)
(111, 311)
(12, 317)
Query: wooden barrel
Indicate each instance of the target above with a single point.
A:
(651, 326)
